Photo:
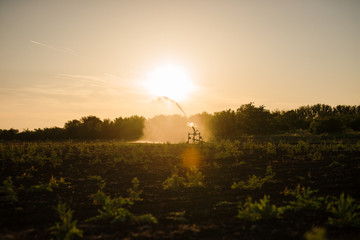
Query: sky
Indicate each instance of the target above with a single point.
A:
(62, 60)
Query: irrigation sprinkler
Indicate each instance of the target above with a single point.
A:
(195, 136)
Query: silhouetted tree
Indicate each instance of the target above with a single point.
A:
(354, 124)
(228, 124)
(72, 129)
(224, 125)
(284, 121)
(132, 128)
(107, 129)
(8, 134)
(327, 124)
(253, 120)
(90, 127)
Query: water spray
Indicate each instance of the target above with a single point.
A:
(178, 105)
(195, 136)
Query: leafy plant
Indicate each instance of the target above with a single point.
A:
(270, 148)
(259, 210)
(7, 191)
(255, 182)
(145, 218)
(177, 216)
(316, 233)
(115, 210)
(99, 198)
(40, 187)
(345, 211)
(252, 183)
(65, 229)
(194, 178)
(134, 192)
(174, 182)
(53, 183)
(224, 203)
(304, 198)
(28, 173)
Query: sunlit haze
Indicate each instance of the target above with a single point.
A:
(62, 60)
(169, 80)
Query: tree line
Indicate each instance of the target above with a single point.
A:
(90, 127)
(248, 119)
(251, 120)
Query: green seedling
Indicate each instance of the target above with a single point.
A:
(65, 229)
(255, 182)
(7, 190)
(259, 210)
(305, 198)
(345, 212)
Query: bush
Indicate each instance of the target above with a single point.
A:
(259, 210)
(174, 182)
(304, 198)
(53, 183)
(177, 216)
(134, 192)
(65, 229)
(194, 178)
(316, 233)
(327, 125)
(7, 191)
(345, 211)
(255, 182)
(115, 209)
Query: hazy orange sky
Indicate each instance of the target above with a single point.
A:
(61, 60)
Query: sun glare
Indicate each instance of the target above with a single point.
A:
(170, 81)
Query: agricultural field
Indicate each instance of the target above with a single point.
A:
(246, 189)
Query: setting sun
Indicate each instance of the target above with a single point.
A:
(170, 81)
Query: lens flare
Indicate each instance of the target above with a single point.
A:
(191, 157)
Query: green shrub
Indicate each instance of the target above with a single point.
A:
(65, 229)
(134, 192)
(304, 198)
(53, 183)
(255, 182)
(99, 198)
(345, 211)
(270, 148)
(327, 125)
(316, 233)
(259, 210)
(177, 216)
(145, 218)
(7, 191)
(194, 178)
(174, 182)
(40, 187)
(113, 210)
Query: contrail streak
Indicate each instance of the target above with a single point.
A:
(62, 50)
